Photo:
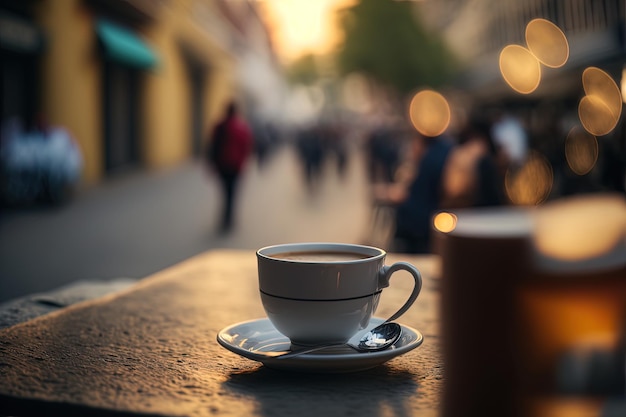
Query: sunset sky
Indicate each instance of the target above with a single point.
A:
(303, 26)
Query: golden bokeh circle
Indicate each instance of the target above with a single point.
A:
(600, 110)
(581, 151)
(581, 227)
(596, 116)
(532, 182)
(547, 42)
(429, 112)
(598, 82)
(520, 69)
(445, 222)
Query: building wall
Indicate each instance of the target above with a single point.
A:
(205, 39)
(72, 73)
(220, 89)
(71, 77)
(165, 101)
(201, 46)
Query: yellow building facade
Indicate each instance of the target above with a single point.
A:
(136, 83)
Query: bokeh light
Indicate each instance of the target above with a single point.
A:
(547, 43)
(532, 182)
(623, 84)
(520, 69)
(596, 116)
(581, 228)
(600, 109)
(430, 113)
(567, 407)
(581, 150)
(445, 222)
(598, 82)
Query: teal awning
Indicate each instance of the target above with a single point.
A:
(124, 47)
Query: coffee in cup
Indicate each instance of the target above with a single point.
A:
(319, 256)
(316, 293)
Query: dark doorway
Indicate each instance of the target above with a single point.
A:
(121, 133)
(19, 81)
(196, 75)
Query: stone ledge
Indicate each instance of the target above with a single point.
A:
(31, 306)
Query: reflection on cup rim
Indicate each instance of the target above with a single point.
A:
(371, 252)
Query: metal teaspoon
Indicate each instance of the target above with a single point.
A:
(379, 338)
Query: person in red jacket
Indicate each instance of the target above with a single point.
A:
(229, 148)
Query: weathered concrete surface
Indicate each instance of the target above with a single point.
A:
(152, 350)
(35, 305)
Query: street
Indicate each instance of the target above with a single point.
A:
(136, 224)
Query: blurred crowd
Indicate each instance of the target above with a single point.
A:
(317, 144)
(38, 163)
(414, 177)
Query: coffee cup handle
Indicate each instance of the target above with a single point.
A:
(385, 276)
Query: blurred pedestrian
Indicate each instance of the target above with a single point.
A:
(383, 153)
(471, 177)
(423, 198)
(510, 136)
(311, 151)
(230, 146)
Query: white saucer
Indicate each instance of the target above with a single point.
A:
(260, 341)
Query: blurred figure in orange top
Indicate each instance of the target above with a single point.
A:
(229, 148)
(471, 175)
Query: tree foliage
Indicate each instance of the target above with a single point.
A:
(385, 40)
(304, 70)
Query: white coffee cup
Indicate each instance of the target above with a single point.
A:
(317, 293)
